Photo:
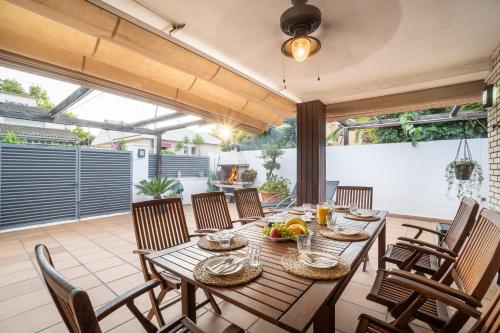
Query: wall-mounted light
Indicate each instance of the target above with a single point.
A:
(490, 95)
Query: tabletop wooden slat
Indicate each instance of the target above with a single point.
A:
(277, 296)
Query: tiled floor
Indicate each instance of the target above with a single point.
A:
(97, 255)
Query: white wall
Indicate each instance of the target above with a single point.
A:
(192, 186)
(406, 180)
(139, 170)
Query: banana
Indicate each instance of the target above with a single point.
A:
(295, 220)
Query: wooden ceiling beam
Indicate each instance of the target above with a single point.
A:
(456, 94)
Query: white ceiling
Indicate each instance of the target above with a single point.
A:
(369, 47)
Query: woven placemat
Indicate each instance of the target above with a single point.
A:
(247, 274)
(292, 264)
(329, 233)
(341, 210)
(361, 218)
(237, 242)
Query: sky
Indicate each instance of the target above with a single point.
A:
(98, 105)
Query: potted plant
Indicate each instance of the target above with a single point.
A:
(158, 187)
(467, 175)
(275, 189)
(248, 175)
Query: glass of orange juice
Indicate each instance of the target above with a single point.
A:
(322, 214)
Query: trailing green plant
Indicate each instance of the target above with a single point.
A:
(198, 141)
(179, 145)
(249, 175)
(122, 145)
(12, 139)
(210, 182)
(270, 154)
(167, 152)
(470, 187)
(158, 187)
(276, 184)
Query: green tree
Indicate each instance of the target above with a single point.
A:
(12, 138)
(42, 98)
(198, 141)
(270, 154)
(12, 86)
(85, 137)
(178, 146)
(186, 140)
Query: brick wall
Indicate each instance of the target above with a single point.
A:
(494, 135)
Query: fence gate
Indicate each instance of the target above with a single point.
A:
(105, 181)
(47, 184)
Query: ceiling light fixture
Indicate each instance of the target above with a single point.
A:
(299, 21)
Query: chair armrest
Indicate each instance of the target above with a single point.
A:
(144, 252)
(436, 288)
(205, 231)
(429, 245)
(197, 235)
(244, 220)
(426, 250)
(108, 308)
(420, 229)
(268, 212)
(367, 319)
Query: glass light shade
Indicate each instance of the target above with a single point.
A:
(301, 48)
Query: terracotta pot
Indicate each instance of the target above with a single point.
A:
(464, 171)
(270, 197)
(247, 178)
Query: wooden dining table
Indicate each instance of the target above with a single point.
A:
(286, 300)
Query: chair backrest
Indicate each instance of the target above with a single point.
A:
(355, 195)
(211, 211)
(248, 203)
(462, 225)
(478, 262)
(490, 320)
(159, 224)
(331, 189)
(72, 303)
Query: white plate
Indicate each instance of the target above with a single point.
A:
(348, 231)
(283, 239)
(217, 260)
(323, 260)
(305, 219)
(213, 237)
(364, 213)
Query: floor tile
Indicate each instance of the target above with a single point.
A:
(116, 273)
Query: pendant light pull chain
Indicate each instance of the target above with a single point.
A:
(284, 73)
(319, 78)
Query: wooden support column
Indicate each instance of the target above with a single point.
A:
(311, 151)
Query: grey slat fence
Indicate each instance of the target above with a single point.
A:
(189, 166)
(41, 184)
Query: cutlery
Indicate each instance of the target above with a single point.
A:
(228, 261)
(230, 266)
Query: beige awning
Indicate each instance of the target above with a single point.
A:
(79, 36)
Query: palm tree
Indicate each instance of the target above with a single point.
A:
(198, 141)
(157, 187)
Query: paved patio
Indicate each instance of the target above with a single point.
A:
(97, 255)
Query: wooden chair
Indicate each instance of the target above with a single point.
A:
(211, 212)
(487, 322)
(248, 204)
(77, 312)
(409, 259)
(355, 195)
(158, 225)
(472, 272)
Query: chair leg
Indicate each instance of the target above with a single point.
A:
(155, 306)
(213, 303)
(365, 261)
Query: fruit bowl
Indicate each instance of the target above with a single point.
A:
(288, 231)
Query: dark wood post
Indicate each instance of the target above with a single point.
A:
(158, 155)
(311, 151)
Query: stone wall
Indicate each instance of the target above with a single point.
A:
(494, 135)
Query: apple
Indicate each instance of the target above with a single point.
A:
(275, 233)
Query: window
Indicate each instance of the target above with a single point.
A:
(193, 150)
(186, 150)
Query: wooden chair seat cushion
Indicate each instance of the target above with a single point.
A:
(388, 294)
(397, 255)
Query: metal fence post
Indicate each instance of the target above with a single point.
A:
(158, 155)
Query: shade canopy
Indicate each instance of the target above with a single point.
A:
(80, 37)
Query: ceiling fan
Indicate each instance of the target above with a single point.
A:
(299, 21)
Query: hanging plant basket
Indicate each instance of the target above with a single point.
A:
(464, 172)
(464, 169)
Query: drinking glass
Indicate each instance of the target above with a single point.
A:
(353, 209)
(279, 218)
(307, 210)
(253, 254)
(304, 243)
(332, 220)
(224, 238)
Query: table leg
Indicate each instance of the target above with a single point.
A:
(188, 292)
(381, 248)
(324, 322)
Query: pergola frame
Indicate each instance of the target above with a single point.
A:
(56, 116)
